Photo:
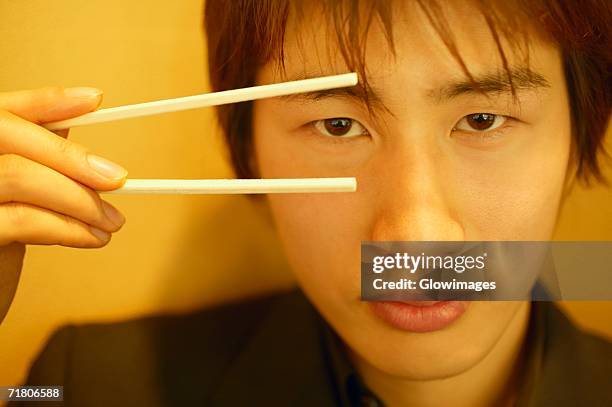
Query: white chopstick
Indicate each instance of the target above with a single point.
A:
(220, 186)
(235, 186)
(207, 99)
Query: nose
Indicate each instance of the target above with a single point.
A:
(411, 201)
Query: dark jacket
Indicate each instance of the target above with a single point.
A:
(272, 352)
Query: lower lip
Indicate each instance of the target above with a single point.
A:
(419, 316)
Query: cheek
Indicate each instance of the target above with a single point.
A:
(516, 196)
(321, 234)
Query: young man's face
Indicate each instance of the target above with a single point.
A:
(430, 169)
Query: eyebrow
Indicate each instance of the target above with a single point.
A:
(497, 82)
(355, 93)
(492, 83)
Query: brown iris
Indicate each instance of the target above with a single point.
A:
(338, 126)
(480, 121)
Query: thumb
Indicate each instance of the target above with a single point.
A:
(51, 104)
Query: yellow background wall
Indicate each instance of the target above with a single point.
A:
(175, 252)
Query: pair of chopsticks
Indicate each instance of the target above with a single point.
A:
(220, 186)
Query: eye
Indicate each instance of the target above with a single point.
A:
(340, 127)
(480, 122)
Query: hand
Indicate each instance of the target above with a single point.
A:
(47, 183)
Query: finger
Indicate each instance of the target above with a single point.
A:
(51, 104)
(18, 136)
(33, 225)
(24, 180)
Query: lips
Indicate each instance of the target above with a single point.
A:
(418, 316)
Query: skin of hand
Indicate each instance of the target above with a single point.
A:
(48, 184)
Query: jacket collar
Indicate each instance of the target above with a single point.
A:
(295, 374)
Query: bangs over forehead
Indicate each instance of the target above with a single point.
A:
(244, 35)
(344, 26)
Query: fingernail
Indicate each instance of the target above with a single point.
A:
(83, 92)
(106, 168)
(100, 234)
(113, 214)
(92, 94)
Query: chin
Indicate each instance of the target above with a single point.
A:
(416, 356)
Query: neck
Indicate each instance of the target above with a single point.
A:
(492, 381)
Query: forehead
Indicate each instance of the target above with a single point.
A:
(422, 55)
